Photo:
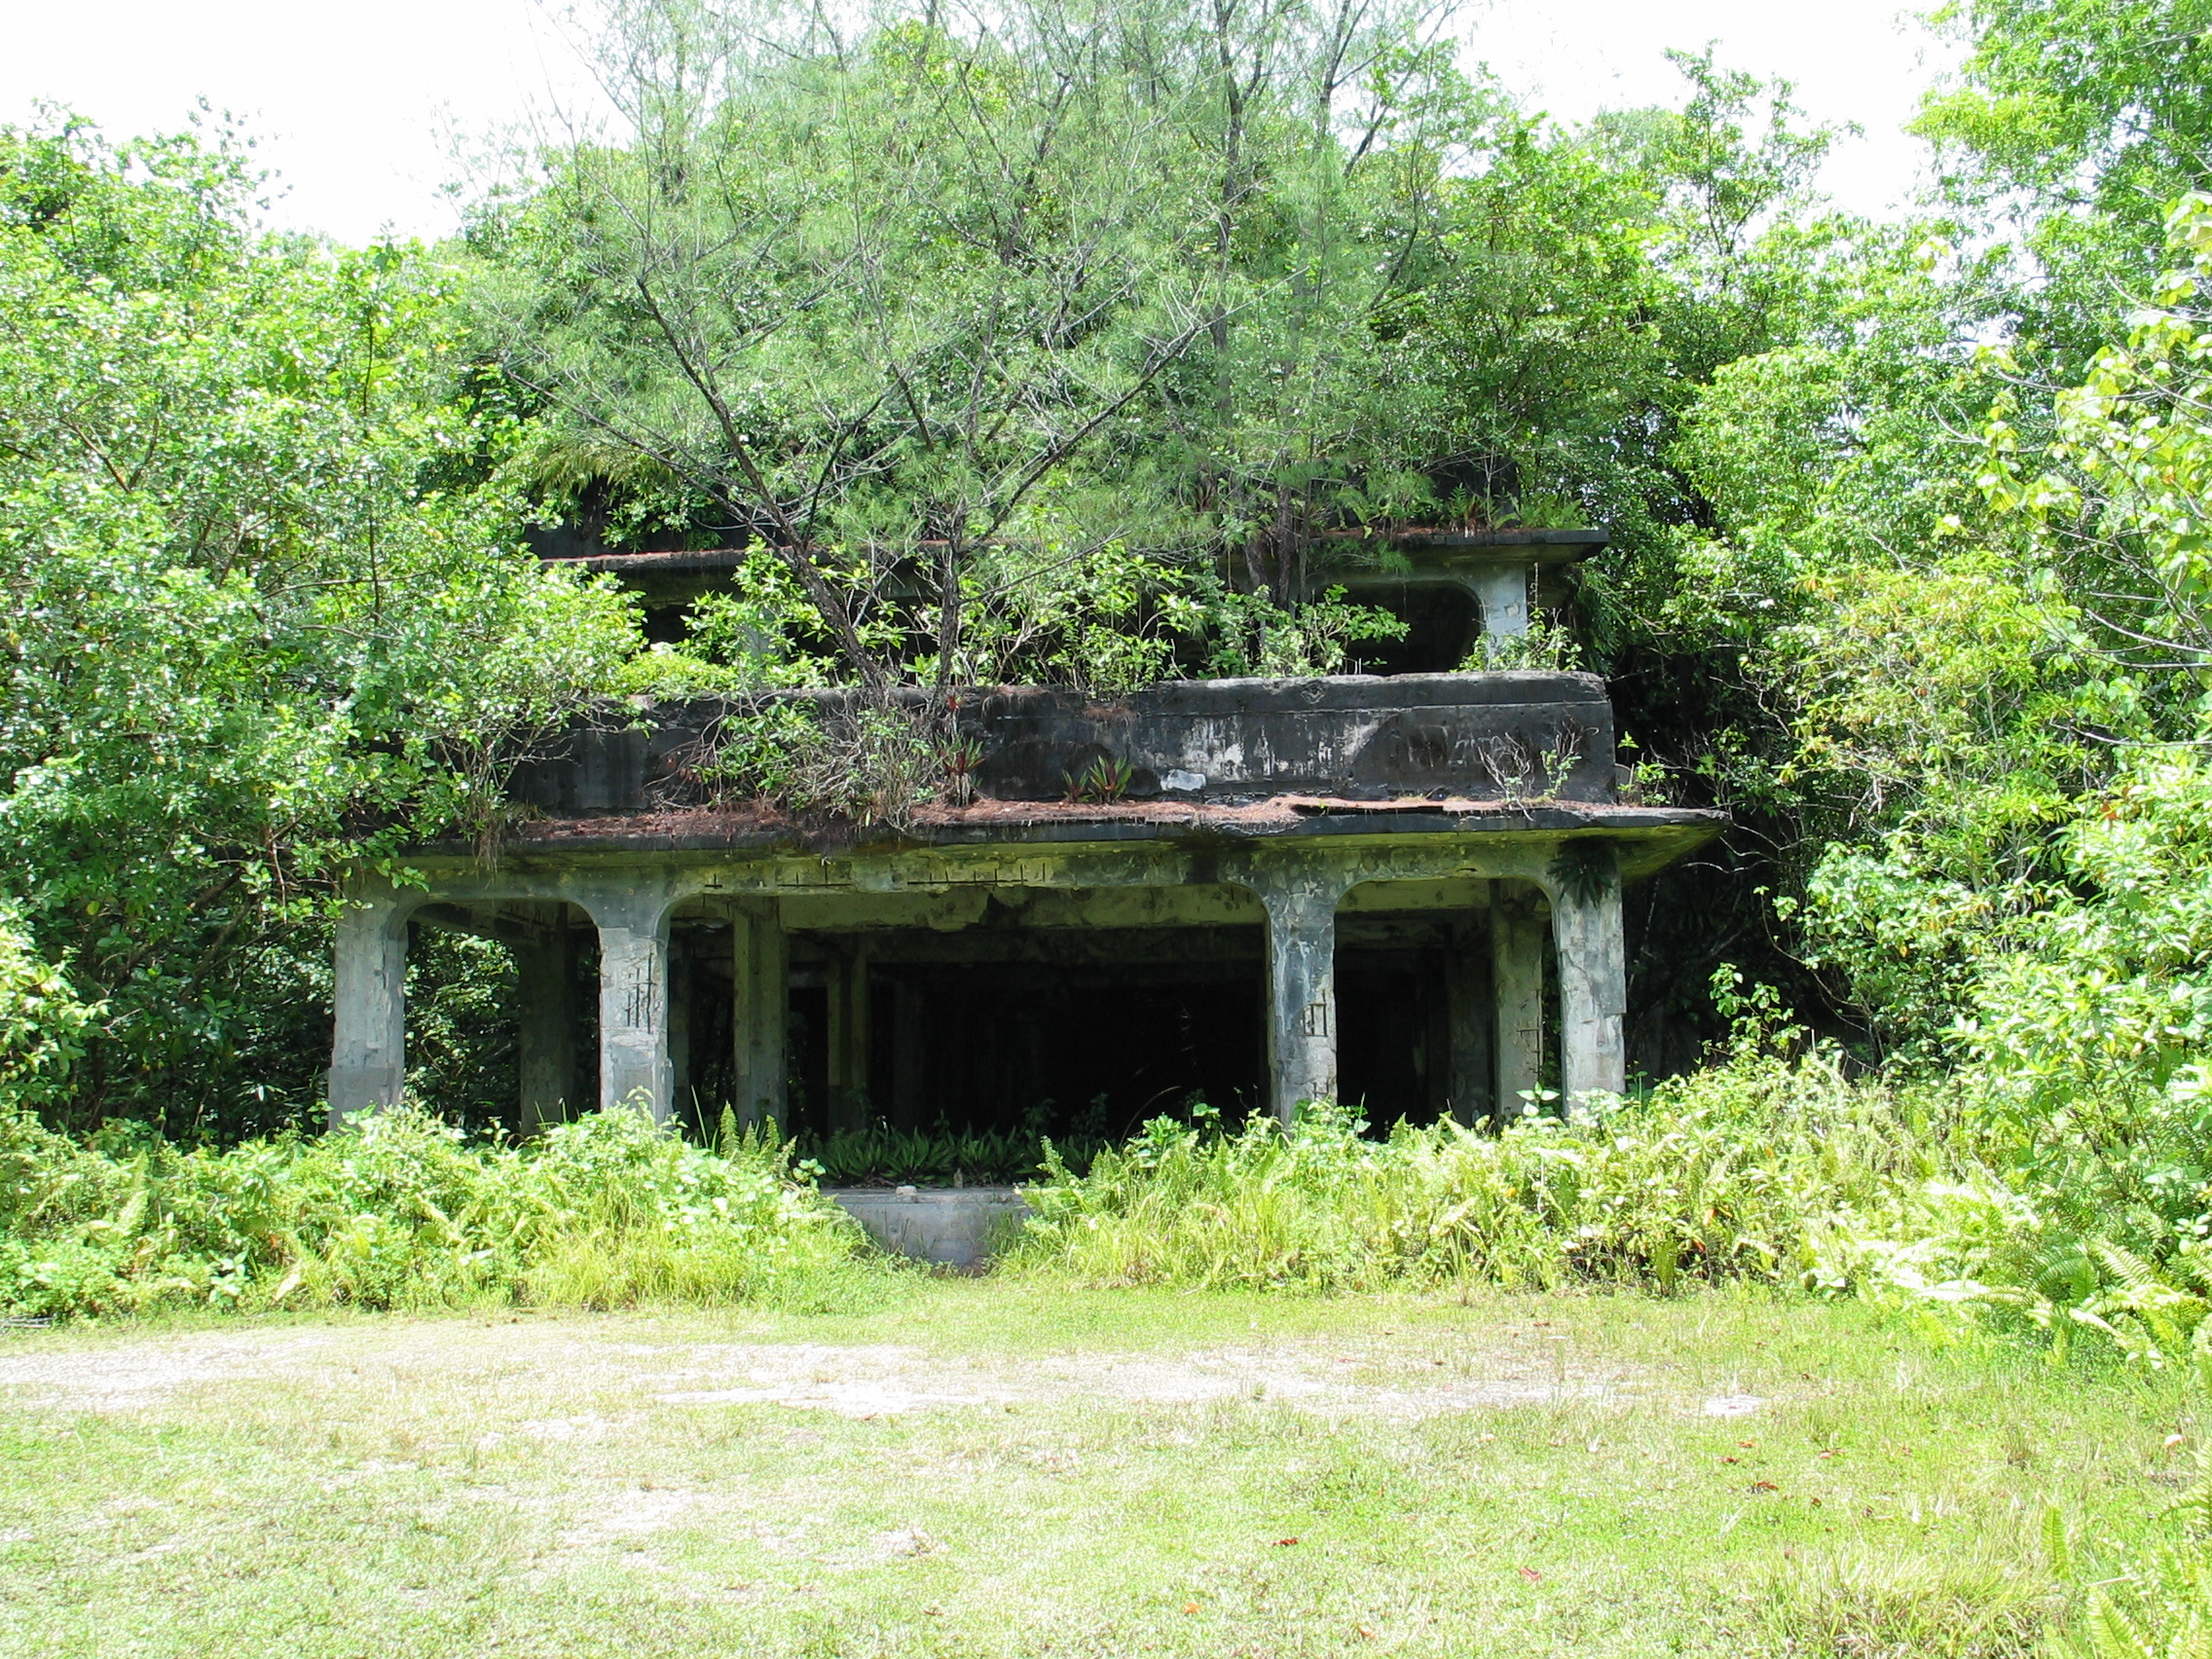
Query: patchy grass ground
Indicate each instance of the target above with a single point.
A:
(996, 1470)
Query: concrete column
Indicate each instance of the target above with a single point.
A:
(545, 1027)
(1302, 988)
(679, 981)
(908, 1051)
(368, 1034)
(1517, 982)
(1470, 1068)
(1502, 591)
(848, 1038)
(761, 1012)
(1593, 975)
(633, 999)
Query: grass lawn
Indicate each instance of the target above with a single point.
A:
(978, 1467)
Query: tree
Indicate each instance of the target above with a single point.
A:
(951, 315)
(268, 613)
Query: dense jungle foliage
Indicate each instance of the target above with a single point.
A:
(1084, 346)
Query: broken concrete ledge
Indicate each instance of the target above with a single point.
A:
(1353, 737)
(951, 1226)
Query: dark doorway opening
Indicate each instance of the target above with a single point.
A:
(1086, 1050)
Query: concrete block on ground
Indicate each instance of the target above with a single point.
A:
(949, 1225)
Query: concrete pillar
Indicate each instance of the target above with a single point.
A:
(1593, 975)
(368, 1028)
(679, 981)
(1470, 1068)
(1502, 591)
(545, 1026)
(633, 999)
(759, 1012)
(1302, 988)
(1517, 983)
(848, 1038)
(908, 1051)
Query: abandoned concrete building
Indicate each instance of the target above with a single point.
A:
(1400, 888)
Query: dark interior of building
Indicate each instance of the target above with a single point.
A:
(1078, 1034)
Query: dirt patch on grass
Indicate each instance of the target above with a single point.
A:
(536, 1367)
(125, 1376)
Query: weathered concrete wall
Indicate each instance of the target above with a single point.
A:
(1487, 736)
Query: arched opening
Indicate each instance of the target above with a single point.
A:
(1416, 1004)
(503, 1011)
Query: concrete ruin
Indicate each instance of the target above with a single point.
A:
(1404, 890)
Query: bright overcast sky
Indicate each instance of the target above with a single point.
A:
(355, 105)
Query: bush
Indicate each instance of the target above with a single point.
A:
(400, 1210)
(1758, 1171)
(1937, 1198)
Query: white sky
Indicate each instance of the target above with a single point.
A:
(355, 105)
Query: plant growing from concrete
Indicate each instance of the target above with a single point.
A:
(1102, 779)
(960, 754)
(1510, 763)
(1560, 760)
(866, 763)
(1547, 646)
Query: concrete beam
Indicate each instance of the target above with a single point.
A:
(368, 1037)
(1150, 861)
(632, 919)
(1593, 977)
(1517, 980)
(1458, 893)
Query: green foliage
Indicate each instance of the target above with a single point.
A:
(1254, 634)
(267, 612)
(1754, 1173)
(2154, 1602)
(2078, 121)
(1959, 1204)
(937, 1157)
(861, 761)
(41, 1023)
(398, 1210)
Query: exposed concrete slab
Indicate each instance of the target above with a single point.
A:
(949, 1225)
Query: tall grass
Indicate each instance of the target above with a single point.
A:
(1932, 1194)
(401, 1211)
(1761, 1171)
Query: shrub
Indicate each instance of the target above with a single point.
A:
(1937, 1198)
(1760, 1171)
(400, 1210)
